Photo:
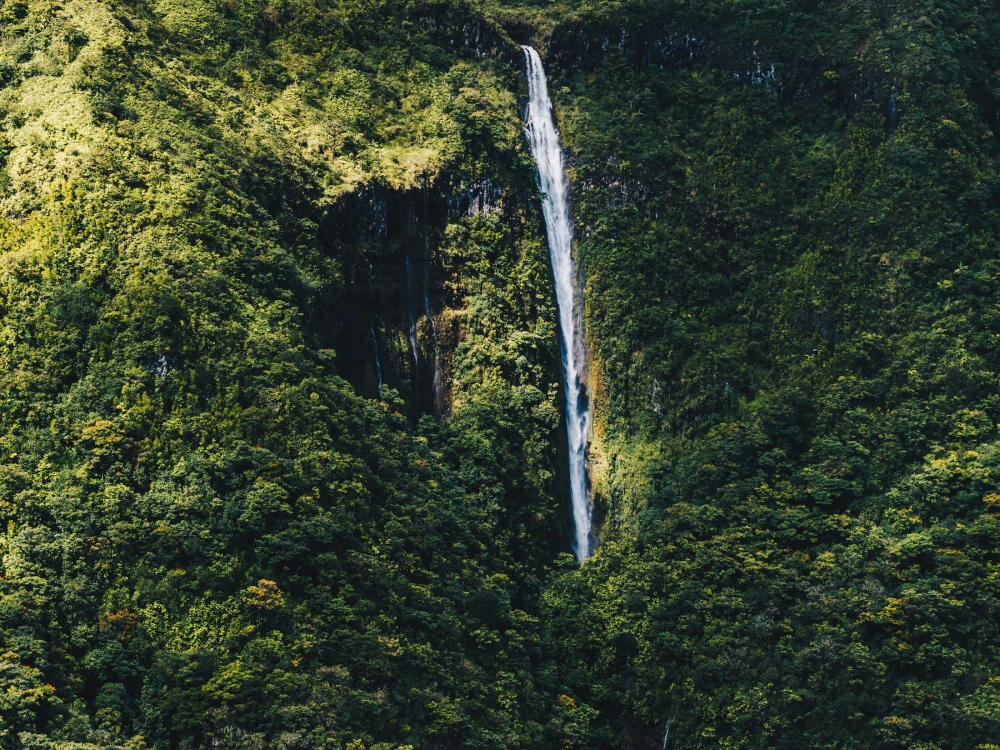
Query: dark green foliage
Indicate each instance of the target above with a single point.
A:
(224, 524)
(789, 230)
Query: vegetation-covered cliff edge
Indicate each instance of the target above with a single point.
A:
(233, 515)
(789, 231)
(282, 462)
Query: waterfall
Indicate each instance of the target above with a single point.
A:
(438, 378)
(666, 731)
(544, 140)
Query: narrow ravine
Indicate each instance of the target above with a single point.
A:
(544, 139)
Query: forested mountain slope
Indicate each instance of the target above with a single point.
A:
(790, 237)
(282, 462)
(209, 538)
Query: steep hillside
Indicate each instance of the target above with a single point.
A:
(789, 229)
(234, 234)
(282, 447)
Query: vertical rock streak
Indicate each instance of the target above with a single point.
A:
(371, 326)
(438, 381)
(378, 364)
(414, 347)
(544, 140)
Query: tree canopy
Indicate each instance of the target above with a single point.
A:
(282, 456)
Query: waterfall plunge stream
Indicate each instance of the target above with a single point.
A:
(544, 140)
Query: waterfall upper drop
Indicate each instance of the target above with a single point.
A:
(544, 140)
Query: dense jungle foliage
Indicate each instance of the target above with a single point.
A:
(282, 462)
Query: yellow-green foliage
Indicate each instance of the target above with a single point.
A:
(209, 540)
(225, 524)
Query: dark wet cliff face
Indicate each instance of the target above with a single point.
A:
(405, 291)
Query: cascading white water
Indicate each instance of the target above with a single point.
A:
(544, 140)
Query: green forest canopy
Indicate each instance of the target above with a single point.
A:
(239, 238)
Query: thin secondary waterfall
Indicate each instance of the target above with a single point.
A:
(438, 378)
(544, 140)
